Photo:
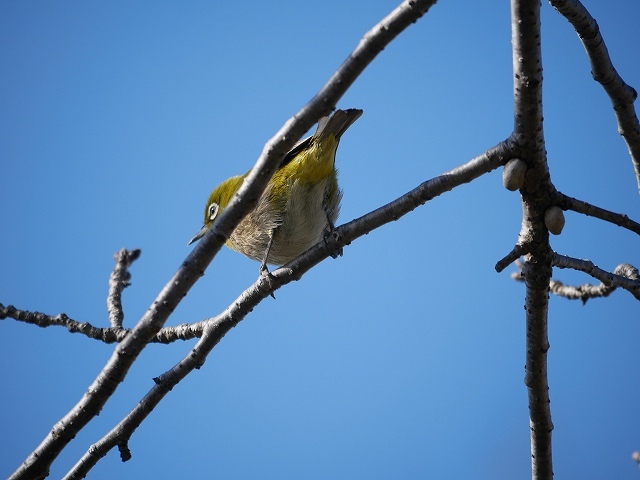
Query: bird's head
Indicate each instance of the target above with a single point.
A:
(218, 200)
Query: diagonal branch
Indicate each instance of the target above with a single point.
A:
(488, 161)
(371, 44)
(517, 251)
(38, 462)
(216, 328)
(622, 95)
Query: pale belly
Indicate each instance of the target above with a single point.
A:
(302, 225)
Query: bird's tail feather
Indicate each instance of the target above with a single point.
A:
(338, 123)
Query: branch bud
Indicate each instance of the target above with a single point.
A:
(513, 174)
(554, 220)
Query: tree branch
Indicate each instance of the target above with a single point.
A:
(534, 237)
(38, 462)
(510, 257)
(216, 328)
(118, 281)
(486, 162)
(569, 203)
(622, 95)
(166, 335)
(624, 276)
(106, 335)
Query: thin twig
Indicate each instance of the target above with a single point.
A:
(621, 95)
(509, 258)
(106, 335)
(569, 203)
(624, 276)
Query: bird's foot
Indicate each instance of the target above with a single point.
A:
(331, 237)
(264, 272)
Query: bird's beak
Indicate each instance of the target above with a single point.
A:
(199, 235)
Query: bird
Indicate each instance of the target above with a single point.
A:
(300, 204)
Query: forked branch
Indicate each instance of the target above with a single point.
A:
(624, 276)
(126, 352)
(214, 329)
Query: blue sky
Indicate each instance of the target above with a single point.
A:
(402, 359)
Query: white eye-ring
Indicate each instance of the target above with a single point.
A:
(213, 211)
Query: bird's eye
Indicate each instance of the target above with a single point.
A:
(213, 211)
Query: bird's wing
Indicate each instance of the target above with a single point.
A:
(297, 148)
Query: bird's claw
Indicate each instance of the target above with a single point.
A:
(331, 237)
(264, 272)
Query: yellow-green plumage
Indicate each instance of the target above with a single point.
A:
(301, 199)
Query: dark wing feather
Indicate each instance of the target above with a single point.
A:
(336, 124)
(297, 148)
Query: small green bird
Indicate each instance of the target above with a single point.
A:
(300, 204)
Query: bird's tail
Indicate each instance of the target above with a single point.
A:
(338, 123)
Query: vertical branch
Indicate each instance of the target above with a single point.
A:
(537, 274)
(118, 281)
(537, 193)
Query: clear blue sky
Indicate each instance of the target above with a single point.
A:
(402, 359)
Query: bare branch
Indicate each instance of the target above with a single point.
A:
(106, 335)
(624, 276)
(511, 257)
(536, 379)
(582, 292)
(371, 44)
(214, 329)
(536, 195)
(622, 95)
(37, 463)
(486, 162)
(569, 203)
(118, 281)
